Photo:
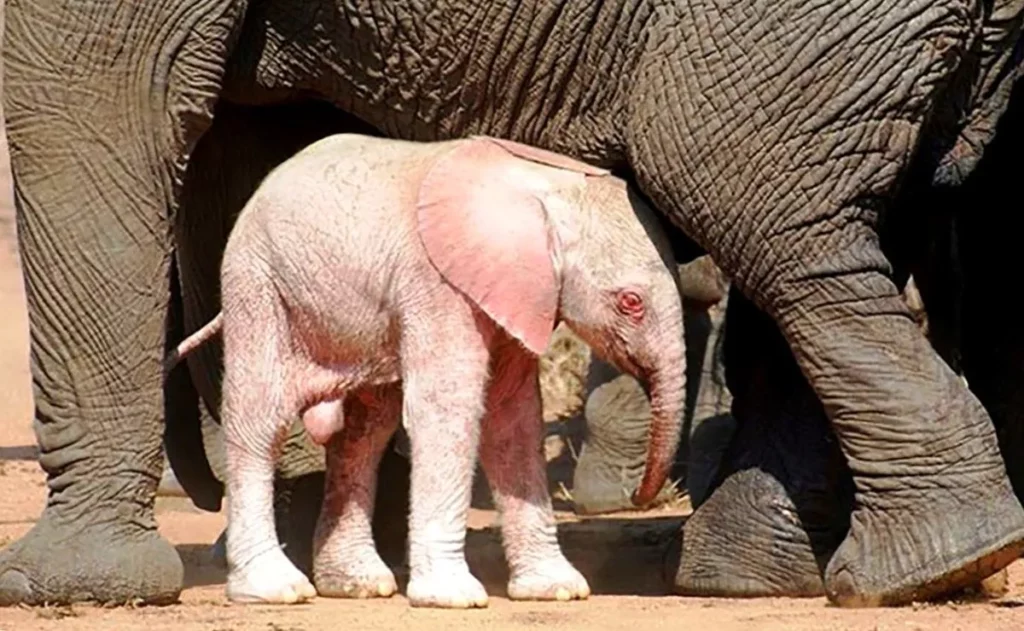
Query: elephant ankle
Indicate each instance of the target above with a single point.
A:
(114, 562)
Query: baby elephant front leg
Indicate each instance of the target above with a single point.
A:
(443, 404)
(512, 457)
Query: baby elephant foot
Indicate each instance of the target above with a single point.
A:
(269, 578)
(368, 579)
(446, 588)
(549, 580)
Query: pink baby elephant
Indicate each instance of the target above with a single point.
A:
(370, 281)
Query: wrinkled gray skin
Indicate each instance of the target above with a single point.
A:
(957, 237)
(777, 148)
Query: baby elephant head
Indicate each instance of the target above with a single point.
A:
(533, 237)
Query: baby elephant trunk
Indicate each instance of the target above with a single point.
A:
(666, 387)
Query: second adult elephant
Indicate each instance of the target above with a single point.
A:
(772, 133)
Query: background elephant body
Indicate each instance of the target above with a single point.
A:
(779, 171)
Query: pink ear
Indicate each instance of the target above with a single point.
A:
(543, 156)
(484, 228)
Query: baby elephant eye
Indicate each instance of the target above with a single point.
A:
(631, 304)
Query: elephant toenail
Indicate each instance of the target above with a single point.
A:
(14, 588)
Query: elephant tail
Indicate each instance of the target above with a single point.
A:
(192, 342)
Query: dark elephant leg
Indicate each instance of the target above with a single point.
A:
(919, 448)
(183, 430)
(711, 423)
(97, 135)
(781, 502)
(784, 461)
(784, 188)
(217, 184)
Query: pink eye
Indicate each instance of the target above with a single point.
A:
(631, 304)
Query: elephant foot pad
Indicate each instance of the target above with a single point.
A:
(453, 588)
(961, 546)
(375, 581)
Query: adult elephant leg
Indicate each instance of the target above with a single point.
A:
(782, 505)
(934, 510)
(97, 136)
(781, 501)
(785, 193)
(711, 423)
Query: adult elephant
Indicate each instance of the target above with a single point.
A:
(773, 133)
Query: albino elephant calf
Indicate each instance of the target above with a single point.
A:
(371, 280)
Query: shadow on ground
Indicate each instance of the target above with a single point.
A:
(618, 556)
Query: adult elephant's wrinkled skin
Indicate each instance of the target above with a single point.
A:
(774, 134)
(957, 236)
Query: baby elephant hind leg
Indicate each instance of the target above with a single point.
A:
(514, 463)
(256, 415)
(345, 560)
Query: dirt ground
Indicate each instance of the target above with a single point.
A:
(620, 555)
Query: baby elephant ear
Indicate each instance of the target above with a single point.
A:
(543, 156)
(485, 229)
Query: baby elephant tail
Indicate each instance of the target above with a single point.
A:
(192, 342)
